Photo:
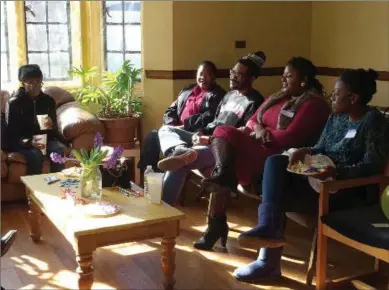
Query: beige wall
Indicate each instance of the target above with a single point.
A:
(352, 35)
(267, 26)
(178, 35)
(157, 44)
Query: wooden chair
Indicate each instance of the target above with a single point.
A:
(351, 227)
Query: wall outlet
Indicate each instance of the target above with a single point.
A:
(240, 44)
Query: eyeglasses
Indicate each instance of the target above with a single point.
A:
(33, 84)
(238, 75)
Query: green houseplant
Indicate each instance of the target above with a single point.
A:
(116, 101)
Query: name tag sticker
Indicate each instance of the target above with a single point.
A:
(351, 134)
(380, 225)
(288, 114)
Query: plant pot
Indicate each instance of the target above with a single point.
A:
(385, 202)
(120, 131)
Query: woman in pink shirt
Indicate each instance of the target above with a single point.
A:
(293, 117)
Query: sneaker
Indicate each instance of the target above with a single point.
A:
(175, 162)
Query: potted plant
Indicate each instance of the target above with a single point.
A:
(115, 101)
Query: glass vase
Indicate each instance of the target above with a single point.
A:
(91, 182)
(385, 202)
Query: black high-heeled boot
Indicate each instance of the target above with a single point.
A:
(217, 229)
(223, 175)
(7, 241)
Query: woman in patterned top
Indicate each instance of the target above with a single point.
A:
(355, 138)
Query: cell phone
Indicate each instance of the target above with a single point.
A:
(51, 179)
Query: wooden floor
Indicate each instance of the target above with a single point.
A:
(51, 264)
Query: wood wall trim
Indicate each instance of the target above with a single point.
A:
(266, 71)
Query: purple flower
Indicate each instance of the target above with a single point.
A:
(58, 158)
(98, 142)
(116, 154)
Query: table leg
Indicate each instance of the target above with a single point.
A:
(85, 270)
(34, 218)
(168, 261)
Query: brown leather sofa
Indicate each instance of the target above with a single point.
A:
(76, 125)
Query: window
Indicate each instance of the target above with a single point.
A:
(122, 33)
(48, 31)
(5, 59)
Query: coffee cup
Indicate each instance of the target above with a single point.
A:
(41, 139)
(42, 120)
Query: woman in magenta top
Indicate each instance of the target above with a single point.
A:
(293, 117)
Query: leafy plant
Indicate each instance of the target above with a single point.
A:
(116, 96)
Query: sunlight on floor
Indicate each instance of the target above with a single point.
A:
(225, 259)
(185, 248)
(130, 249)
(292, 260)
(38, 263)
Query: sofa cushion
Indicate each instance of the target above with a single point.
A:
(4, 155)
(357, 224)
(74, 121)
(15, 171)
(4, 169)
(59, 95)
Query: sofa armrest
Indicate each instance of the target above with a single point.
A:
(74, 121)
(4, 155)
(16, 157)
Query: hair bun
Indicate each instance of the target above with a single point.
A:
(372, 74)
(261, 54)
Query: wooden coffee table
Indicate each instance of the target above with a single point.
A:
(138, 220)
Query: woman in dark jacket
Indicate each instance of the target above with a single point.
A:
(193, 110)
(22, 110)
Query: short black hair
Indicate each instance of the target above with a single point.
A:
(361, 82)
(306, 70)
(29, 71)
(211, 65)
(253, 68)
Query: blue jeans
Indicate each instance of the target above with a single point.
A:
(292, 192)
(35, 157)
(174, 180)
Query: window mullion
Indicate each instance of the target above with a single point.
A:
(124, 33)
(48, 37)
(6, 41)
(70, 44)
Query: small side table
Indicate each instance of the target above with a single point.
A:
(134, 153)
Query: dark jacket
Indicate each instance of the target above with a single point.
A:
(22, 121)
(235, 110)
(207, 109)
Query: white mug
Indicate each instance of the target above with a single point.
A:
(41, 139)
(42, 119)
